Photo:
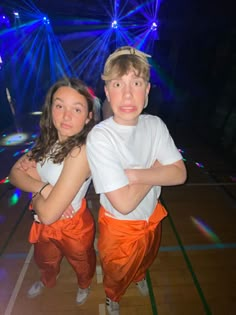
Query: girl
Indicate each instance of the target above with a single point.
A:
(56, 171)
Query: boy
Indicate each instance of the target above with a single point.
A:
(131, 156)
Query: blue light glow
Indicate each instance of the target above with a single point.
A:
(46, 20)
(16, 14)
(154, 26)
(114, 24)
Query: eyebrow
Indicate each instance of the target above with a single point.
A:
(61, 100)
(120, 79)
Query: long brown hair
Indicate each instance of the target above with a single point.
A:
(48, 133)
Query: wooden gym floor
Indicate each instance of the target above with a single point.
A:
(194, 273)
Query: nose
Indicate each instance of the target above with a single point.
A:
(127, 90)
(67, 114)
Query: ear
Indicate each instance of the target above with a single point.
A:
(107, 93)
(90, 116)
(148, 88)
(147, 92)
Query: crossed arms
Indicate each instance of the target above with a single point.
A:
(127, 198)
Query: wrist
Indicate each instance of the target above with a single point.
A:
(46, 191)
(39, 192)
(42, 188)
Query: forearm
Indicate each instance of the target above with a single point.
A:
(56, 199)
(126, 199)
(134, 196)
(45, 215)
(162, 175)
(41, 205)
(24, 181)
(24, 175)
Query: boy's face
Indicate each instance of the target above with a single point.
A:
(127, 96)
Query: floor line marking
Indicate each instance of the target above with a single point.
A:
(188, 263)
(211, 184)
(151, 294)
(102, 309)
(197, 247)
(99, 274)
(19, 282)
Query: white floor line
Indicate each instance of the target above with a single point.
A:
(19, 282)
(99, 274)
(102, 309)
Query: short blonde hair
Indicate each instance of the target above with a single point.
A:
(124, 59)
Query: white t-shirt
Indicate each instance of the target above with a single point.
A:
(112, 148)
(50, 172)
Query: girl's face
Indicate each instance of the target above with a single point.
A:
(69, 112)
(127, 96)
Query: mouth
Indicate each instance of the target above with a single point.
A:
(128, 108)
(65, 126)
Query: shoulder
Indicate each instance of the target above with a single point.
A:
(151, 121)
(76, 153)
(100, 130)
(104, 124)
(76, 160)
(153, 126)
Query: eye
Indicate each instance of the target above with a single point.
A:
(137, 83)
(58, 106)
(117, 84)
(77, 110)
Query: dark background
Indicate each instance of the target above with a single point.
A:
(194, 53)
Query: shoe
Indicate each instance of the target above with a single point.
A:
(82, 295)
(36, 289)
(113, 307)
(143, 287)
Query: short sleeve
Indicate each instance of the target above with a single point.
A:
(107, 171)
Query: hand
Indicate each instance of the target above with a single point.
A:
(156, 164)
(68, 213)
(131, 174)
(25, 164)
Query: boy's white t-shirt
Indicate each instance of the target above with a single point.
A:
(112, 148)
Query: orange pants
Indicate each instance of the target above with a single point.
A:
(127, 249)
(72, 238)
